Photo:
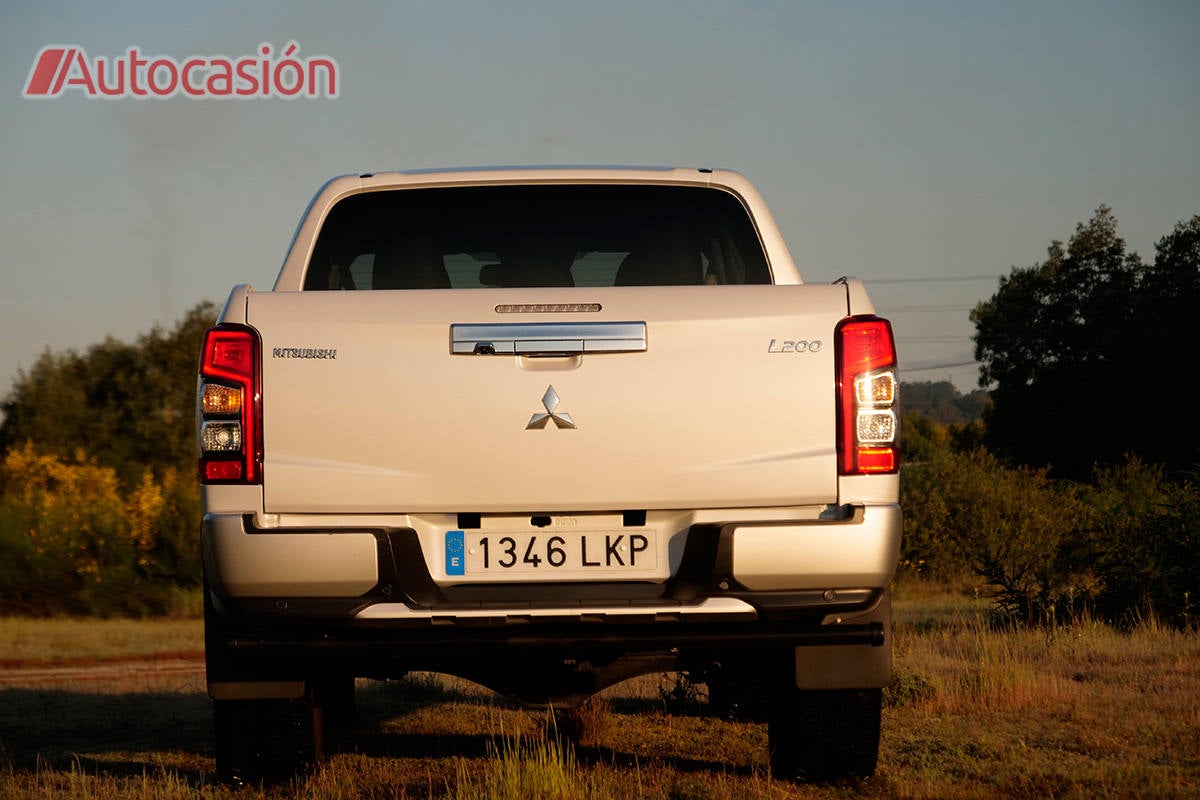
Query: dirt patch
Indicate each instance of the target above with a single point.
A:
(39, 672)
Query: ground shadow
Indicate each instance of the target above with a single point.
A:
(62, 729)
(606, 756)
(144, 733)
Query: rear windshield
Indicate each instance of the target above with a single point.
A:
(535, 236)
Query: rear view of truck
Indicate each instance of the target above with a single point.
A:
(547, 430)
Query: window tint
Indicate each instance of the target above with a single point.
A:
(536, 236)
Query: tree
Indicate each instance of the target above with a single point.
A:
(942, 402)
(1162, 377)
(1074, 345)
(129, 406)
(922, 438)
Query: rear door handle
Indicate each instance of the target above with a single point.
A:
(547, 338)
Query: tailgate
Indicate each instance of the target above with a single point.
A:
(368, 409)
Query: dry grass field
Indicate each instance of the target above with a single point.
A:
(1081, 711)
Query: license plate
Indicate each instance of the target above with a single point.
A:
(550, 552)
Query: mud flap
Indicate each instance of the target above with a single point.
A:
(850, 666)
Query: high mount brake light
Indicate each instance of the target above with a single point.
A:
(229, 400)
(868, 427)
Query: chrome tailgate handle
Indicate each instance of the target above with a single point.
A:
(547, 338)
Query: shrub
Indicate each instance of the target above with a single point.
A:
(1145, 543)
(1014, 528)
(73, 541)
(1123, 547)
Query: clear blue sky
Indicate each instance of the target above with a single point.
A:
(893, 141)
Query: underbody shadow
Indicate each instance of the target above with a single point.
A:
(137, 734)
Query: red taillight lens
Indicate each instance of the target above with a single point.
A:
(229, 353)
(876, 459)
(866, 345)
(222, 471)
(230, 406)
(868, 426)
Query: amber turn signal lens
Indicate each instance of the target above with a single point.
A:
(221, 400)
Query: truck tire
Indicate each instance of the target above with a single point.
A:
(824, 736)
(261, 741)
(265, 741)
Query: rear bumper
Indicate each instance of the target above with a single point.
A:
(378, 577)
(860, 550)
(549, 661)
(288, 604)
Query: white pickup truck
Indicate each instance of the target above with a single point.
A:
(547, 429)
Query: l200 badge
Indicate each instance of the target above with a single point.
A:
(795, 346)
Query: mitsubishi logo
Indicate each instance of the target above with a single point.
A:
(560, 419)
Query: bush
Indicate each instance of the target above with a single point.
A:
(1123, 547)
(1145, 543)
(966, 513)
(73, 541)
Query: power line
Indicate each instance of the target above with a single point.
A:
(933, 339)
(893, 309)
(944, 279)
(939, 366)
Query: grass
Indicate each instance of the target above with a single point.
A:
(66, 639)
(519, 768)
(976, 710)
(1081, 710)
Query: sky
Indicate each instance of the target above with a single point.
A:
(926, 147)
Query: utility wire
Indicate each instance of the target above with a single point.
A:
(892, 309)
(945, 279)
(939, 366)
(933, 339)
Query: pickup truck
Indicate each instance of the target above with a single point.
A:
(547, 429)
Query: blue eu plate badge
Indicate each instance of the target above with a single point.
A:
(456, 560)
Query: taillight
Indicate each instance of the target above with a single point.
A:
(229, 401)
(868, 426)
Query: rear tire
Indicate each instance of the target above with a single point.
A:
(823, 736)
(263, 741)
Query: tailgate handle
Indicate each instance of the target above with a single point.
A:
(547, 338)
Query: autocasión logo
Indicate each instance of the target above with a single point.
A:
(61, 69)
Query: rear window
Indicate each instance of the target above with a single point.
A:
(536, 236)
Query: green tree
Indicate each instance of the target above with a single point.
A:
(1160, 378)
(942, 402)
(130, 406)
(922, 438)
(1079, 349)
